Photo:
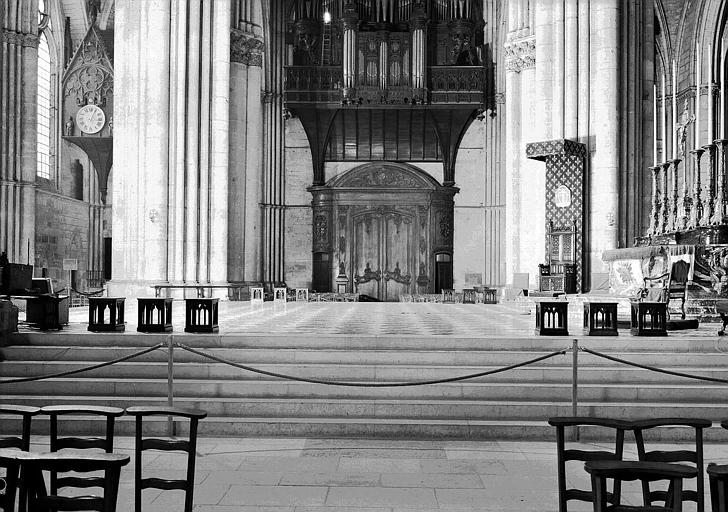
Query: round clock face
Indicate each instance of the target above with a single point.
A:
(90, 119)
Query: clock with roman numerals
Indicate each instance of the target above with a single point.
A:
(90, 119)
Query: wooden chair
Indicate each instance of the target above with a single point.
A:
(564, 455)
(674, 284)
(718, 477)
(22, 442)
(694, 457)
(188, 446)
(41, 499)
(105, 443)
(10, 463)
(602, 470)
(26, 413)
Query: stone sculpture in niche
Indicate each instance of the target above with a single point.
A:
(68, 128)
(686, 119)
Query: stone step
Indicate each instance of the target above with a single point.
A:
(537, 373)
(674, 342)
(93, 355)
(423, 408)
(398, 428)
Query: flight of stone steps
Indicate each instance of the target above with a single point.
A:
(509, 405)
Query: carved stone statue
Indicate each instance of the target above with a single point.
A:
(111, 126)
(68, 129)
(92, 8)
(686, 119)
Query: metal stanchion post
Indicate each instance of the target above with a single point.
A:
(170, 384)
(574, 384)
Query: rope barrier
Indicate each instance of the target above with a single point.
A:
(84, 369)
(373, 384)
(89, 294)
(654, 368)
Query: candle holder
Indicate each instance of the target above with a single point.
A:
(697, 207)
(674, 219)
(711, 199)
(656, 203)
(666, 209)
(721, 189)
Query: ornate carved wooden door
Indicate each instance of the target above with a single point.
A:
(383, 253)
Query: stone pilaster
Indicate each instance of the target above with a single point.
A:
(18, 107)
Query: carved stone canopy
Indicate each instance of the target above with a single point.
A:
(89, 78)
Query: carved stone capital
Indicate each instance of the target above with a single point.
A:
(520, 54)
(20, 39)
(245, 48)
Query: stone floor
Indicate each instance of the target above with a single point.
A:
(328, 475)
(514, 319)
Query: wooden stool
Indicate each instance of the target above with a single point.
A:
(188, 446)
(600, 319)
(96, 314)
(257, 295)
(469, 295)
(489, 296)
(649, 318)
(154, 314)
(679, 455)
(563, 455)
(302, 294)
(280, 295)
(601, 470)
(448, 297)
(201, 315)
(552, 318)
(32, 466)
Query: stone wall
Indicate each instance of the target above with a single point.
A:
(61, 231)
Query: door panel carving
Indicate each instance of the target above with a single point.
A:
(387, 221)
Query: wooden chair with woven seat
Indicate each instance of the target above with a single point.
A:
(564, 455)
(674, 284)
(42, 499)
(188, 446)
(694, 457)
(646, 472)
(58, 442)
(9, 461)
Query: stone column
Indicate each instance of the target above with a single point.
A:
(604, 112)
(273, 151)
(18, 126)
(520, 63)
(245, 156)
(170, 181)
(141, 145)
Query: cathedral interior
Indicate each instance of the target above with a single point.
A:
(378, 147)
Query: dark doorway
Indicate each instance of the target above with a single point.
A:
(443, 272)
(321, 272)
(107, 258)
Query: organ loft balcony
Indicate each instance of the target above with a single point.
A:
(373, 67)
